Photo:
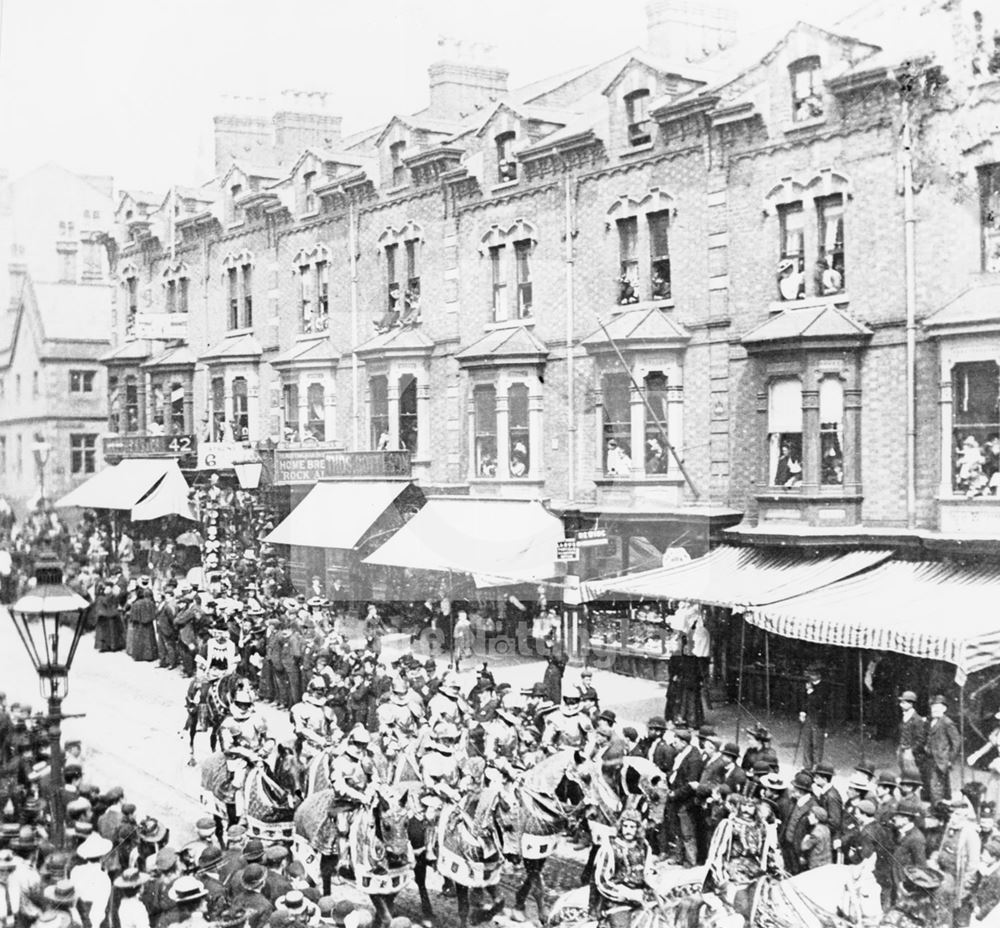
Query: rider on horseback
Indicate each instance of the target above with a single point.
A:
(438, 768)
(621, 875)
(309, 719)
(351, 775)
(568, 728)
(743, 848)
(220, 657)
(400, 712)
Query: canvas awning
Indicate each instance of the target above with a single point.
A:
(500, 539)
(923, 609)
(336, 514)
(124, 485)
(737, 577)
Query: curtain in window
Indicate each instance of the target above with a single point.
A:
(831, 418)
(315, 404)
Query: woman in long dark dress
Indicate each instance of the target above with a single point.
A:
(109, 634)
(141, 615)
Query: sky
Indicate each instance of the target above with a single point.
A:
(128, 87)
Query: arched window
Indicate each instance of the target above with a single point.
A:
(617, 424)
(831, 431)
(784, 431)
(485, 411)
(316, 412)
(517, 430)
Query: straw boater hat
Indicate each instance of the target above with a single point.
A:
(62, 894)
(187, 889)
(130, 879)
(94, 848)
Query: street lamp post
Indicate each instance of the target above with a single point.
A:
(42, 449)
(49, 622)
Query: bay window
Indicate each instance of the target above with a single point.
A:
(175, 409)
(378, 397)
(831, 431)
(316, 412)
(485, 425)
(656, 451)
(218, 409)
(290, 411)
(976, 428)
(784, 428)
(408, 425)
(114, 404)
(615, 390)
(241, 410)
(518, 431)
(131, 404)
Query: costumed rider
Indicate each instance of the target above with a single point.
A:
(568, 728)
(242, 737)
(742, 849)
(310, 721)
(400, 712)
(447, 703)
(351, 776)
(438, 767)
(220, 657)
(623, 867)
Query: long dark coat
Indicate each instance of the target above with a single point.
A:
(109, 632)
(141, 616)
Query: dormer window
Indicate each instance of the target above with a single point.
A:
(637, 117)
(235, 214)
(308, 197)
(807, 97)
(397, 151)
(506, 165)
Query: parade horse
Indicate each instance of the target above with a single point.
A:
(379, 844)
(831, 896)
(674, 901)
(266, 806)
(470, 847)
(219, 695)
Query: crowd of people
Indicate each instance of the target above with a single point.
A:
(675, 793)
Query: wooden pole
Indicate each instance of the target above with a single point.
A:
(739, 681)
(767, 673)
(861, 704)
(961, 734)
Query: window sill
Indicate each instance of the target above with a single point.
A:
(811, 302)
(528, 322)
(232, 333)
(510, 481)
(506, 185)
(618, 308)
(957, 500)
(312, 336)
(651, 480)
(823, 494)
(644, 149)
(805, 124)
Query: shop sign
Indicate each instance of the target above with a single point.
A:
(183, 447)
(220, 455)
(592, 538)
(567, 550)
(161, 326)
(299, 465)
(674, 556)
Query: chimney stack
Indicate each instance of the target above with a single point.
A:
(242, 132)
(465, 80)
(680, 31)
(303, 121)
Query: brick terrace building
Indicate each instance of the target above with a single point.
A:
(458, 284)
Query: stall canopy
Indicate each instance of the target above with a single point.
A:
(737, 577)
(923, 609)
(336, 515)
(501, 541)
(132, 482)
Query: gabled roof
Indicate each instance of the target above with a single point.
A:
(420, 123)
(646, 326)
(268, 172)
(326, 155)
(660, 66)
(398, 341)
(179, 356)
(591, 122)
(137, 349)
(316, 352)
(550, 114)
(976, 308)
(505, 346)
(813, 322)
(232, 348)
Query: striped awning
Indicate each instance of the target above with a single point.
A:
(924, 609)
(738, 578)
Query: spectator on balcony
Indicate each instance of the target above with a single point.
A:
(618, 464)
(791, 279)
(519, 460)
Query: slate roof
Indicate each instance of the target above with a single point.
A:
(808, 322)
